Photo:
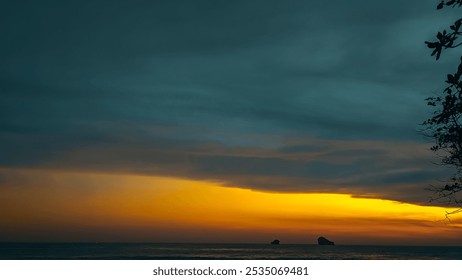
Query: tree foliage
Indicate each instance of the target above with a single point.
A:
(445, 124)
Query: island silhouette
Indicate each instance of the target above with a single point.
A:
(324, 241)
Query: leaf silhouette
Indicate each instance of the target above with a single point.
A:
(440, 5)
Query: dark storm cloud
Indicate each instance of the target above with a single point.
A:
(379, 169)
(219, 90)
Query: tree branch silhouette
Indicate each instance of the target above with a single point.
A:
(444, 125)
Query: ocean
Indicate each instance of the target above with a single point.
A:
(167, 251)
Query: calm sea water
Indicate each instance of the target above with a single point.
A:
(146, 251)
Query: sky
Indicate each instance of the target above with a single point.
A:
(233, 121)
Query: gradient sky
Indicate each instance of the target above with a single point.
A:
(232, 121)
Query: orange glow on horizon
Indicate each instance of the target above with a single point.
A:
(65, 206)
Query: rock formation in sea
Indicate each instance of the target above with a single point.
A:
(275, 242)
(324, 241)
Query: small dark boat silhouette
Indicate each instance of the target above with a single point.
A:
(275, 242)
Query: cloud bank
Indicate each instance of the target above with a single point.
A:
(271, 95)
